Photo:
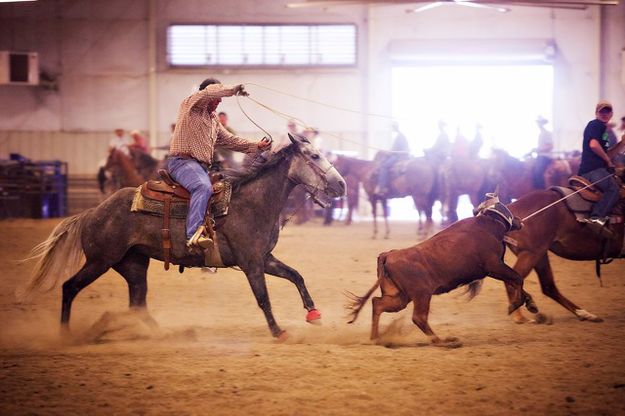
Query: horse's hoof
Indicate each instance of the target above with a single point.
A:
(313, 316)
(513, 307)
(584, 315)
(282, 337)
(543, 319)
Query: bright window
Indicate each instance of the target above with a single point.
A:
(261, 45)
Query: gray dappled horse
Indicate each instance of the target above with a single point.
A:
(112, 236)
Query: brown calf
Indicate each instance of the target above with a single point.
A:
(461, 254)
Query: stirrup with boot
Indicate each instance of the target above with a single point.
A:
(200, 239)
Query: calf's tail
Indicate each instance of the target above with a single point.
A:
(473, 289)
(355, 302)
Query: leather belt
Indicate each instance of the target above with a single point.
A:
(187, 156)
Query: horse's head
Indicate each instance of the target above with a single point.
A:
(311, 169)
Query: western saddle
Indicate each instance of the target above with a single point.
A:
(591, 194)
(167, 191)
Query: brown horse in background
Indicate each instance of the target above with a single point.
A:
(465, 177)
(417, 179)
(355, 171)
(121, 171)
(516, 177)
(557, 230)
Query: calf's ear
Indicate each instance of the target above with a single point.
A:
(516, 224)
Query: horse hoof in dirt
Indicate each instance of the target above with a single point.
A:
(542, 319)
(313, 316)
(584, 315)
(449, 342)
(282, 337)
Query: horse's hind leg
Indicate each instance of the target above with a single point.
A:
(549, 288)
(85, 276)
(134, 268)
(275, 267)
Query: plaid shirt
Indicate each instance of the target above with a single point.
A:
(198, 131)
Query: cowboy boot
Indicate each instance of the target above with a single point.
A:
(200, 239)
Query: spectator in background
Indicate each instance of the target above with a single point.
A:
(543, 153)
(476, 144)
(460, 149)
(291, 127)
(313, 137)
(139, 142)
(223, 119)
(400, 150)
(619, 159)
(119, 142)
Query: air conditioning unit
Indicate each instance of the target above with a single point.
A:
(19, 68)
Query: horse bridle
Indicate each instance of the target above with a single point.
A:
(314, 190)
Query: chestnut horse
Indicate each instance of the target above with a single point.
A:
(124, 171)
(516, 178)
(557, 230)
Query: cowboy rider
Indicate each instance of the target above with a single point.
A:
(196, 134)
(400, 149)
(597, 166)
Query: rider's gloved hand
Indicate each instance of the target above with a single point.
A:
(264, 144)
(240, 90)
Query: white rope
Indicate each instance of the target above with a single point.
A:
(335, 107)
(565, 197)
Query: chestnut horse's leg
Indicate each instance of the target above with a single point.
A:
(275, 267)
(85, 276)
(549, 288)
(497, 269)
(134, 269)
(526, 260)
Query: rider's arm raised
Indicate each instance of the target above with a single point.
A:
(211, 92)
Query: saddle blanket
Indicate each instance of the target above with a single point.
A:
(179, 209)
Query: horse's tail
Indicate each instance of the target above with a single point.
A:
(61, 254)
(356, 303)
(473, 289)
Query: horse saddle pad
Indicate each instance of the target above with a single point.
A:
(580, 206)
(150, 197)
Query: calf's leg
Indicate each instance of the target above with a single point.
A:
(497, 269)
(385, 303)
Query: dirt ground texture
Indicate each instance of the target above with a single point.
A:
(214, 354)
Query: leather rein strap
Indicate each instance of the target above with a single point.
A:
(165, 232)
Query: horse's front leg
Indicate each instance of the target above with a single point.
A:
(256, 277)
(275, 267)
(385, 210)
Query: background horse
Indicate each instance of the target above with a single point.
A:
(462, 176)
(121, 171)
(355, 171)
(417, 178)
(112, 236)
(557, 230)
(516, 177)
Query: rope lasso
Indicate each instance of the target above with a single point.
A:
(564, 198)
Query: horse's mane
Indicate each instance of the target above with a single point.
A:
(255, 164)
(510, 161)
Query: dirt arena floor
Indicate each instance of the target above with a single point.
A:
(214, 354)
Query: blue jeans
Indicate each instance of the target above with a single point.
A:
(609, 187)
(385, 168)
(189, 174)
